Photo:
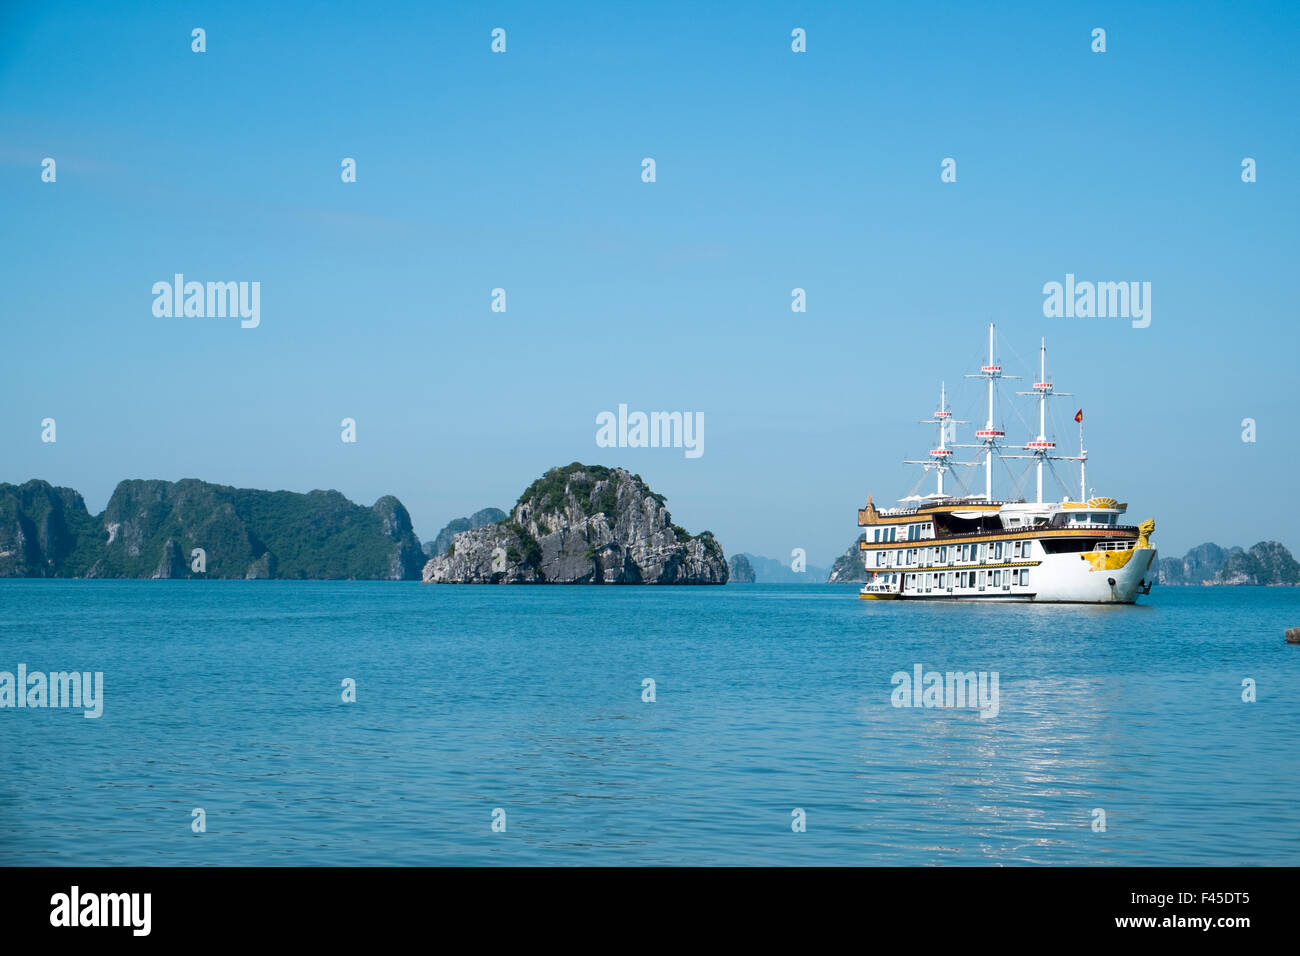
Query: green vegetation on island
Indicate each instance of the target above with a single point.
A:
(152, 529)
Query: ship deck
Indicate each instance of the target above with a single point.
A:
(1109, 531)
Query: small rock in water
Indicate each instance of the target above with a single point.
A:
(1293, 635)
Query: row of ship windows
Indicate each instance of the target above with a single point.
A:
(918, 532)
(989, 551)
(915, 532)
(969, 580)
(1093, 519)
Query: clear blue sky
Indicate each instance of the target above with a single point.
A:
(523, 171)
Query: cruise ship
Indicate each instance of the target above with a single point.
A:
(974, 547)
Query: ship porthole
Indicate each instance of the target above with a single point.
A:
(1110, 581)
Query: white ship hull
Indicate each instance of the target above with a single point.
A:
(1067, 579)
(1056, 578)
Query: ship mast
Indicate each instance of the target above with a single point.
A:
(940, 457)
(1041, 448)
(990, 435)
(1083, 465)
(1042, 386)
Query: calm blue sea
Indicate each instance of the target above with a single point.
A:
(226, 696)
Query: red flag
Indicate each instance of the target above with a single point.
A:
(1078, 416)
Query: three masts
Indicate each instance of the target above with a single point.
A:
(943, 546)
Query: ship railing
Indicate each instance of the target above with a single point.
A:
(1089, 525)
(1114, 545)
(940, 537)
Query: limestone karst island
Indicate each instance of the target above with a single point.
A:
(580, 524)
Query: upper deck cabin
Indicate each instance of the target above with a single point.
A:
(956, 517)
